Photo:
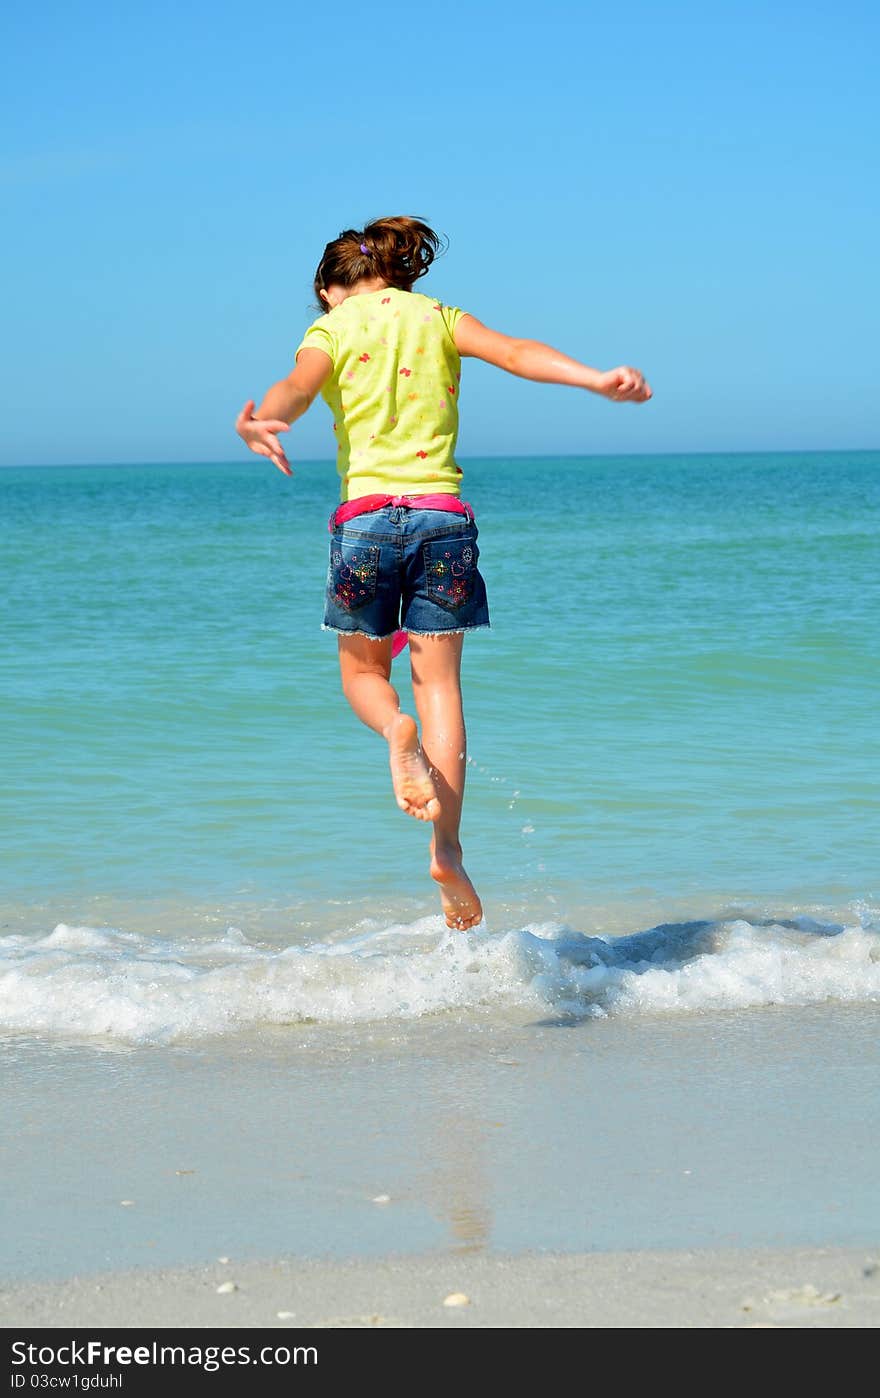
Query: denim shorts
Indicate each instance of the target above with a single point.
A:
(408, 569)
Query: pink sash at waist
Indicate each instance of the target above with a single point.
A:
(367, 504)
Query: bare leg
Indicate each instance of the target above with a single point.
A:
(365, 667)
(436, 674)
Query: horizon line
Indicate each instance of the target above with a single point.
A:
(480, 456)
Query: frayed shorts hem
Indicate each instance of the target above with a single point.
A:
(446, 631)
(451, 630)
(343, 631)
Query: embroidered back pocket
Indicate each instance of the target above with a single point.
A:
(451, 569)
(354, 568)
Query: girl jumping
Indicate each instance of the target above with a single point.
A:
(403, 548)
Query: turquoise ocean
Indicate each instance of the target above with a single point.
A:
(674, 716)
(232, 1020)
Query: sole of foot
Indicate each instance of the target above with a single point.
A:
(414, 790)
(461, 904)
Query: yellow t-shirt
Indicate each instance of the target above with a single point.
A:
(393, 392)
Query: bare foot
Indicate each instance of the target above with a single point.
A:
(413, 787)
(461, 904)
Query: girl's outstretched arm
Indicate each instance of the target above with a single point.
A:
(529, 359)
(283, 404)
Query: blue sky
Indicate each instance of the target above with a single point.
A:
(690, 188)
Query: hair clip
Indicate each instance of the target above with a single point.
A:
(364, 247)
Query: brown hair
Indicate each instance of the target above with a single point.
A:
(399, 250)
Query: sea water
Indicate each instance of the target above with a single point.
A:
(673, 724)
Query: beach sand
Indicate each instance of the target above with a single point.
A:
(729, 1289)
(711, 1170)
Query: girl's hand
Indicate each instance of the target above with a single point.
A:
(624, 385)
(260, 435)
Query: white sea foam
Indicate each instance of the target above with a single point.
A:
(85, 981)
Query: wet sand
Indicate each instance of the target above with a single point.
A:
(740, 1131)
